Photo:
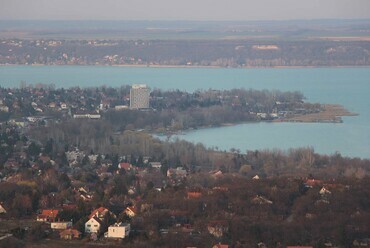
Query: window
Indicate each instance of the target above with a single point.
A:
(88, 225)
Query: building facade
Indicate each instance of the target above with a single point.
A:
(118, 231)
(139, 96)
(93, 225)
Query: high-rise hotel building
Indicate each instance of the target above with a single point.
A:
(139, 96)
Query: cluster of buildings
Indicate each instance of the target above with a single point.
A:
(38, 100)
(94, 226)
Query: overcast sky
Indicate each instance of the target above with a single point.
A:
(183, 10)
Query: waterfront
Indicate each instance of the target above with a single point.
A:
(346, 86)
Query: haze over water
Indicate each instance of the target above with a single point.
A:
(349, 87)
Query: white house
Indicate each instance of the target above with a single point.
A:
(93, 225)
(324, 191)
(118, 231)
(61, 225)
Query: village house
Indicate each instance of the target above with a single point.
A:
(194, 194)
(220, 246)
(70, 234)
(156, 165)
(179, 172)
(118, 231)
(100, 213)
(218, 228)
(323, 191)
(130, 211)
(93, 225)
(60, 225)
(63, 105)
(125, 166)
(256, 177)
(2, 209)
(216, 174)
(261, 200)
(47, 215)
(310, 183)
(4, 109)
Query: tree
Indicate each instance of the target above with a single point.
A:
(33, 149)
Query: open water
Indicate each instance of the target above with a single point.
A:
(347, 86)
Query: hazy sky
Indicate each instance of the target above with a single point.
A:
(184, 9)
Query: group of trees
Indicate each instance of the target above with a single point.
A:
(294, 215)
(98, 137)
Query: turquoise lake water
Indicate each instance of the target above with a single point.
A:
(347, 86)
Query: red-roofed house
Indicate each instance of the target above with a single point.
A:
(70, 234)
(99, 213)
(220, 246)
(130, 211)
(194, 194)
(312, 182)
(125, 166)
(47, 215)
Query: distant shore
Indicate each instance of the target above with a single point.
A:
(197, 66)
(332, 113)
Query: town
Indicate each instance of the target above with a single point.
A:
(80, 167)
(40, 103)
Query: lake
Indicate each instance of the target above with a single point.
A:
(347, 86)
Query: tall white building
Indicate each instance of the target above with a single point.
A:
(139, 96)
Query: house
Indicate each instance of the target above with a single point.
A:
(179, 172)
(125, 166)
(156, 165)
(324, 191)
(220, 246)
(194, 194)
(100, 213)
(93, 225)
(261, 200)
(310, 183)
(61, 225)
(218, 227)
(52, 105)
(63, 105)
(130, 211)
(4, 109)
(69, 234)
(2, 209)
(118, 231)
(256, 177)
(47, 215)
(216, 173)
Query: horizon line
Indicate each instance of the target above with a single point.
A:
(197, 20)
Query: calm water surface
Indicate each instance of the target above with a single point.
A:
(347, 86)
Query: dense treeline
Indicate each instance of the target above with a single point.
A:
(98, 137)
(225, 53)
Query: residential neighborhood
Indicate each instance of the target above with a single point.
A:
(68, 180)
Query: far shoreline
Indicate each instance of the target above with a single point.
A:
(191, 66)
